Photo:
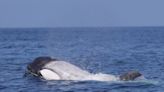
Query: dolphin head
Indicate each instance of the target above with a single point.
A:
(38, 63)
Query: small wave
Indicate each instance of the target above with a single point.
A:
(2, 87)
(137, 83)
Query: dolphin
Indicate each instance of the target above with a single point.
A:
(53, 69)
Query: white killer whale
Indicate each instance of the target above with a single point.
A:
(53, 69)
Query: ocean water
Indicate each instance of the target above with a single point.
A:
(98, 50)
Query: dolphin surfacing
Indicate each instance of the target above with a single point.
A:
(53, 69)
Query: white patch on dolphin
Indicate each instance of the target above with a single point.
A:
(49, 75)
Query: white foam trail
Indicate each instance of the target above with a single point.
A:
(102, 77)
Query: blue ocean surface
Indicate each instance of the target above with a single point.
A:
(98, 50)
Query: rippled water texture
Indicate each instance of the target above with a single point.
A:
(105, 50)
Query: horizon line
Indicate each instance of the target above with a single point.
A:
(81, 27)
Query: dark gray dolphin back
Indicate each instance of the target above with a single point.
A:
(38, 64)
(132, 75)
